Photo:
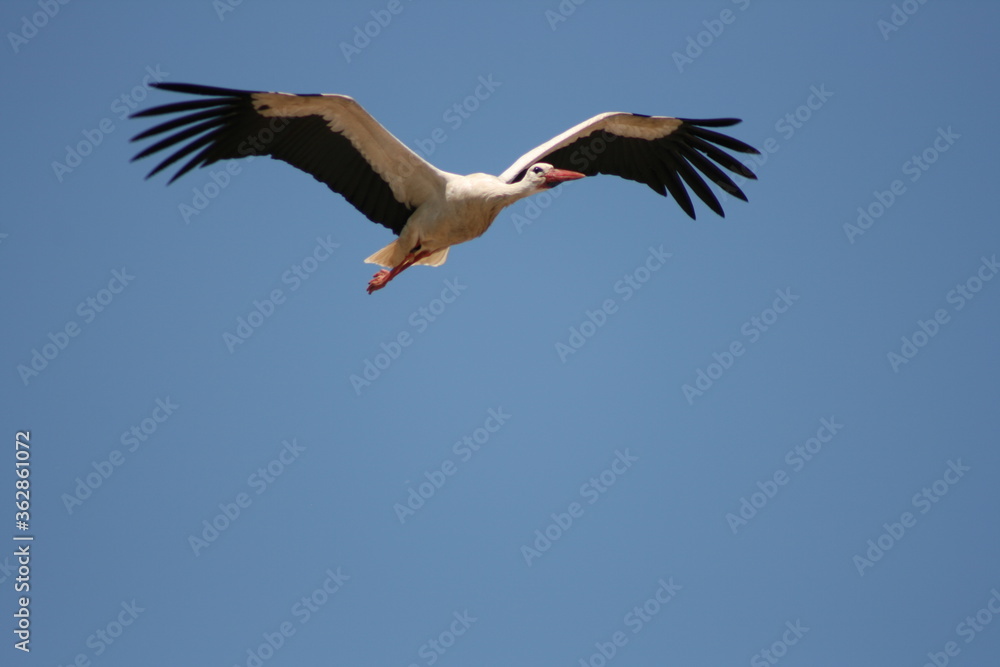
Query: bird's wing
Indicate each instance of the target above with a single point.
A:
(664, 153)
(329, 136)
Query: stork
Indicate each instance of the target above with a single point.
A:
(340, 144)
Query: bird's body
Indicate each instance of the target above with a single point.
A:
(461, 210)
(333, 138)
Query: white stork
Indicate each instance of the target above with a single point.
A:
(333, 138)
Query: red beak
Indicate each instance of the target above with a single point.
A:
(557, 176)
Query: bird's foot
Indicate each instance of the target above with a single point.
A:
(380, 280)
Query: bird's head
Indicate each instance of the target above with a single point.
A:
(544, 176)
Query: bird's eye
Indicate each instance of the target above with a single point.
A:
(537, 170)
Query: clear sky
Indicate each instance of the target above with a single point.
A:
(602, 434)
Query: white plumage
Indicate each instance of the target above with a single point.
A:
(339, 143)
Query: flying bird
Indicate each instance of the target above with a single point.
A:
(340, 144)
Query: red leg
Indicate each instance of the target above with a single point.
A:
(383, 277)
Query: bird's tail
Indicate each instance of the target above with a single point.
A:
(386, 256)
(392, 255)
(436, 259)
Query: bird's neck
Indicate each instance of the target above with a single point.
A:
(512, 192)
(490, 190)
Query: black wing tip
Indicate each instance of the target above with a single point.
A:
(225, 95)
(143, 113)
(217, 97)
(739, 194)
(729, 142)
(702, 139)
(198, 89)
(712, 122)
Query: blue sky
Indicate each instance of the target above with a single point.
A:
(774, 439)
